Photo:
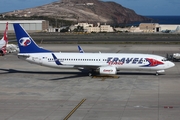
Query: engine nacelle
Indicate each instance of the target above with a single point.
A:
(107, 70)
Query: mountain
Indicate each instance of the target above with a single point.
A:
(91, 11)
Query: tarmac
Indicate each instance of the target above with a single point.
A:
(32, 92)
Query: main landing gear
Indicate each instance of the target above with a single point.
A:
(93, 73)
(159, 71)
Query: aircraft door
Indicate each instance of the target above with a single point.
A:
(37, 60)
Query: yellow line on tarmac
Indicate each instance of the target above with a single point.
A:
(69, 115)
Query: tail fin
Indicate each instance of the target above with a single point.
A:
(4, 40)
(80, 49)
(25, 42)
(5, 34)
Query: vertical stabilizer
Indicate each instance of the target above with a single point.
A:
(5, 38)
(25, 42)
(4, 41)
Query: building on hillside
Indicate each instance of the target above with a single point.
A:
(91, 28)
(106, 28)
(84, 25)
(119, 29)
(29, 25)
(89, 4)
(134, 29)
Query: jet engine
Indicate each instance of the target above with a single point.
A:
(107, 70)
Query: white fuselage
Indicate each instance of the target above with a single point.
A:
(104, 63)
(95, 60)
(2, 43)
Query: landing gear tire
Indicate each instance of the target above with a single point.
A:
(157, 73)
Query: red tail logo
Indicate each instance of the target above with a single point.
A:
(4, 50)
(5, 33)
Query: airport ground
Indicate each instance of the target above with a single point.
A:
(31, 92)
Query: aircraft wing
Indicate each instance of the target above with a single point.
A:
(88, 67)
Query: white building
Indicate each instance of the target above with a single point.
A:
(106, 28)
(135, 29)
(150, 27)
(84, 25)
(91, 28)
(156, 27)
(89, 4)
(29, 25)
(168, 27)
(99, 28)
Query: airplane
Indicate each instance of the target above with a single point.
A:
(4, 42)
(103, 64)
(4, 46)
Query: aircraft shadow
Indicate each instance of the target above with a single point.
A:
(71, 74)
(136, 73)
(7, 71)
(74, 74)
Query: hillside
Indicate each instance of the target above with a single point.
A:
(91, 11)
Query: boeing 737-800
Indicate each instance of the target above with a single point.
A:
(104, 63)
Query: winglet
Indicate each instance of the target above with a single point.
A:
(25, 42)
(80, 49)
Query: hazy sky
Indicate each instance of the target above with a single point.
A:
(142, 7)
